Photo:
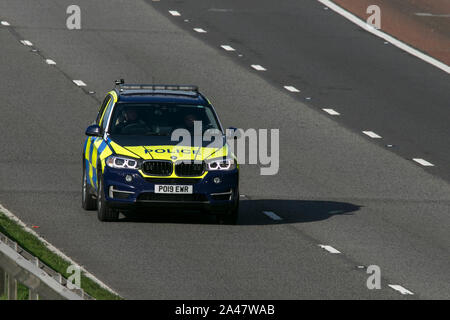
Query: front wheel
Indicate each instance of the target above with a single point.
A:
(104, 212)
(232, 216)
(87, 198)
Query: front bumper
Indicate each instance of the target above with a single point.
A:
(140, 191)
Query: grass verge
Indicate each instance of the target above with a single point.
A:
(37, 248)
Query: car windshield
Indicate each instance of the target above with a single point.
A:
(160, 119)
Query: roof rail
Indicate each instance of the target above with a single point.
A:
(155, 87)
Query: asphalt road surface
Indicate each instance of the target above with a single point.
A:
(335, 187)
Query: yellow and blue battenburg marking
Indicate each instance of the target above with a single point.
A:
(95, 149)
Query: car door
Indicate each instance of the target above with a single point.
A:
(96, 148)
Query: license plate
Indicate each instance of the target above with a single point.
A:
(163, 188)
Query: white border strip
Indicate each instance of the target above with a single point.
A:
(227, 47)
(199, 30)
(403, 46)
(330, 249)
(79, 83)
(400, 289)
(272, 215)
(291, 89)
(26, 43)
(53, 249)
(372, 134)
(423, 162)
(331, 112)
(258, 67)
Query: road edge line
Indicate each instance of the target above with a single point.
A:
(399, 44)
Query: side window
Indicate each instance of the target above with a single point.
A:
(108, 110)
(102, 109)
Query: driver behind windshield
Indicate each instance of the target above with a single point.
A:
(129, 120)
(155, 119)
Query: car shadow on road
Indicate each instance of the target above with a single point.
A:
(251, 212)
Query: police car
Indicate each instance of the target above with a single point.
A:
(130, 158)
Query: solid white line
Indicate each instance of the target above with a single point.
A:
(227, 47)
(258, 67)
(372, 134)
(400, 289)
(174, 13)
(26, 43)
(53, 249)
(330, 249)
(423, 162)
(332, 112)
(50, 61)
(385, 36)
(272, 215)
(5, 23)
(291, 89)
(199, 30)
(79, 83)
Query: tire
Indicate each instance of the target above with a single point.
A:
(87, 198)
(104, 212)
(232, 216)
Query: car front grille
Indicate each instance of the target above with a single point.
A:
(189, 169)
(182, 181)
(157, 168)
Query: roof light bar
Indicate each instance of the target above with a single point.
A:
(155, 87)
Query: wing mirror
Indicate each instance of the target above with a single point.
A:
(94, 131)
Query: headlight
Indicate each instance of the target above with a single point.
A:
(220, 164)
(122, 162)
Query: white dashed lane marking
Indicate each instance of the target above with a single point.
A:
(423, 162)
(272, 215)
(79, 83)
(199, 30)
(291, 89)
(372, 134)
(227, 47)
(330, 249)
(400, 289)
(26, 43)
(258, 67)
(5, 23)
(50, 61)
(174, 13)
(331, 112)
